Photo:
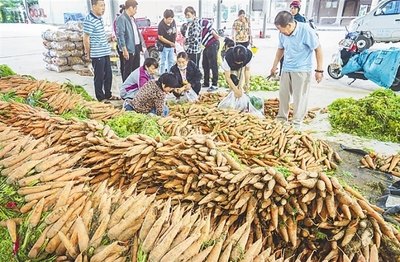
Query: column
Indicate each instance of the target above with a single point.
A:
(339, 12)
(310, 10)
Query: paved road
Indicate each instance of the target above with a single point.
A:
(21, 48)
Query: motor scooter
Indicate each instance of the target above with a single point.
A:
(347, 49)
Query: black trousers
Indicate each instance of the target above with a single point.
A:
(132, 63)
(102, 77)
(245, 44)
(210, 62)
(195, 58)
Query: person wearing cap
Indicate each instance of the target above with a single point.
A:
(236, 66)
(297, 41)
(241, 30)
(295, 10)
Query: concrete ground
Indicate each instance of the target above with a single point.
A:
(21, 48)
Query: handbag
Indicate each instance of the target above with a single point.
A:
(159, 45)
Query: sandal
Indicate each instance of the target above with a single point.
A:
(114, 98)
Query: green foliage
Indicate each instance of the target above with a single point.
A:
(284, 170)
(78, 89)
(132, 123)
(12, 96)
(79, 112)
(257, 83)
(35, 99)
(375, 116)
(5, 71)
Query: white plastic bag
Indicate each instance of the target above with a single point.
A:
(242, 104)
(188, 96)
(336, 61)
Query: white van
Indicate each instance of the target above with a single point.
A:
(382, 23)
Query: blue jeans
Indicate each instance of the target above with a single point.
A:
(166, 59)
(128, 107)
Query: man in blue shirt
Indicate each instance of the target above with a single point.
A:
(297, 41)
(98, 49)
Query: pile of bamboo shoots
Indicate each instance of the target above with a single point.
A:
(96, 197)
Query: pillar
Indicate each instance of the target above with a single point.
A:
(339, 12)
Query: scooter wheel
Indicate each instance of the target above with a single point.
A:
(153, 52)
(335, 73)
(363, 42)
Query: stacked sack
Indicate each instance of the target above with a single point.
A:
(64, 47)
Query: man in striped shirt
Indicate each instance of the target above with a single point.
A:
(209, 39)
(98, 49)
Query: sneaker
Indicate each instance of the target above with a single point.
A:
(212, 89)
(126, 102)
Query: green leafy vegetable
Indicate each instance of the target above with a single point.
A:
(78, 89)
(375, 116)
(5, 71)
(132, 123)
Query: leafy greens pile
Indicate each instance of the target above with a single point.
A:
(375, 116)
(133, 123)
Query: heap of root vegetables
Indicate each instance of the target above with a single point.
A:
(223, 187)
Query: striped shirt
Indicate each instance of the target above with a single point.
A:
(207, 37)
(94, 27)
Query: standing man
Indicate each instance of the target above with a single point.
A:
(210, 41)
(294, 9)
(98, 49)
(241, 30)
(167, 35)
(129, 39)
(297, 41)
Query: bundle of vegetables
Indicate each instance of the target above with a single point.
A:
(5, 71)
(257, 83)
(271, 105)
(67, 100)
(254, 140)
(388, 164)
(264, 212)
(374, 116)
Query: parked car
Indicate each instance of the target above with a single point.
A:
(381, 24)
(150, 35)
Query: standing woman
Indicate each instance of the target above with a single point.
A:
(187, 73)
(167, 35)
(98, 49)
(129, 39)
(241, 30)
(193, 35)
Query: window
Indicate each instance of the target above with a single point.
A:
(390, 8)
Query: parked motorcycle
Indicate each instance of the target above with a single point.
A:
(348, 48)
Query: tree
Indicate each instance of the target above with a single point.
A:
(7, 5)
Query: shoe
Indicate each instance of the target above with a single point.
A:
(114, 98)
(212, 89)
(205, 86)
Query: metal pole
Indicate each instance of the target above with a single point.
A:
(200, 14)
(266, 9)
(219, 14)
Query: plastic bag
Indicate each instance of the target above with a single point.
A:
(58, 69)
(257, 102)
(189, 96)
(70, 61)
(52, 35)
(336, 61)
(242, 104)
